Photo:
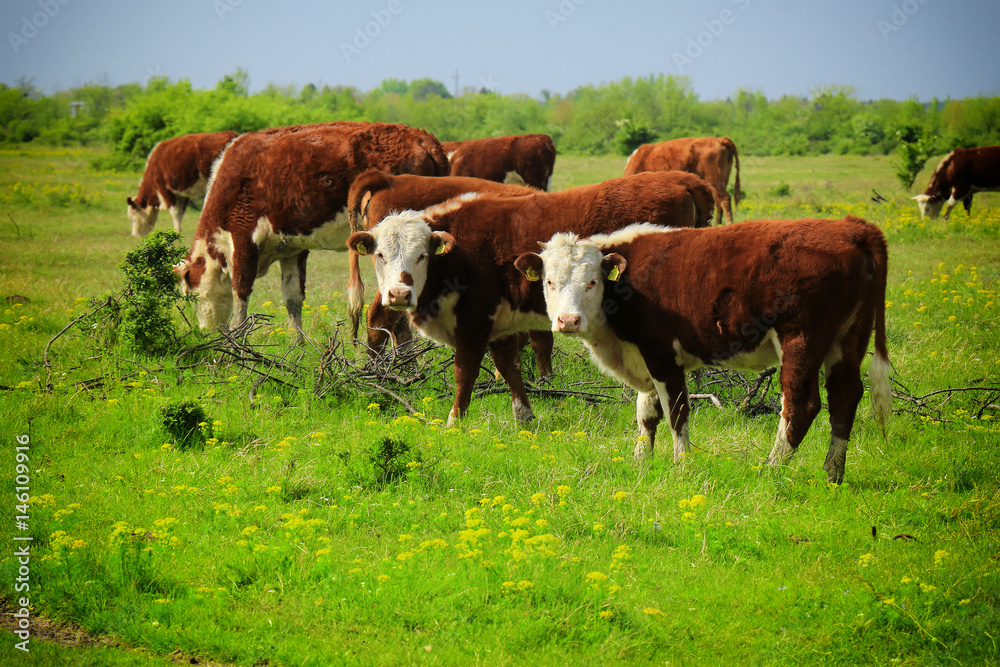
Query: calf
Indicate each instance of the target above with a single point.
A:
(803, 294)
(523, 159)
(959, 175)
(451, 266)
(177, 171)
(276, 194)
(712, 158)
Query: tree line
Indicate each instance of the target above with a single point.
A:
(593, 119)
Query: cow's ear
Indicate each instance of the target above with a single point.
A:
(362, 243)
(131, 203)
(920, 198)
(181, 270)
(530, 264)
(442, 243)
(613, 266)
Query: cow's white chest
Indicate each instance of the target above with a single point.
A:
(508, 320)
(196, 191)
(618, 358)
(273, 245)
(440, 327)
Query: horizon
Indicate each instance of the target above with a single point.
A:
(882, 50)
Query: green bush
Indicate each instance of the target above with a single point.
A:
(187, 423)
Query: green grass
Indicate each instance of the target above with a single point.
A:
(501, 544)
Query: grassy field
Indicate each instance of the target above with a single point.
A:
(280, 542)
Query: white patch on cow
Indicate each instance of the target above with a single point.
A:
(647, 405)
(448, 155)
(513, 178)
(782, 451)
(767, 353)
(215, 289)
(273, 245)
(881, 391)
(196, 191)
(628, 234)
(522, 412)
(440, 327)
(402, 248)
(548, 184)
(449, 205)
(507, 320)
(143, 219)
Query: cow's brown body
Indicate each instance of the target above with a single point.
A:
(278, 193)
(802, 294)
(523, 159)
(959, 175)
(177, 171)
(474, 296)
(712, 158)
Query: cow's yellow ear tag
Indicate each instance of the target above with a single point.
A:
(532, 274)
(361, 250)
(614, 274)
(440, 250)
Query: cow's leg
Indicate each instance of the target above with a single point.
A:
(725, 203)
(293, 289)
(520, 339)
(799, 399)
(967, 203)
(541, 343)
(506, 355)
(469, 352)
(245, 265)
(671, 388)
(383, 324)
(177, 211)
(843, 392)
(648, 413)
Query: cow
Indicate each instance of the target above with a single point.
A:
(451, 266)
(652, 304)
(712, 158)
(523, 159)
(177, 171)
(960, 173)
(276, 194)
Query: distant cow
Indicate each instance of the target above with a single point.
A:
(803, 294)
(276, 194)
(959, 175)
(177, 171)
(451, 266)
(524, 159)
(712, 158)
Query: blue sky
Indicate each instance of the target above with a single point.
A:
(884, 49)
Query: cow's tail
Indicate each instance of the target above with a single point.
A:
(704, 203)
(728, 143)
(368, 182)
(878, 371)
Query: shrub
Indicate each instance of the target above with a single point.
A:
(186, 422)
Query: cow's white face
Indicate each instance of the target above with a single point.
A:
(928, 208)
(401, 246)
(572, 272)
(143, 219)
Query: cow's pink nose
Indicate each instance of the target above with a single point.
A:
(399, 296)
(568, 323)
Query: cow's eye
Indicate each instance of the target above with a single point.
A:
(591, 285)
(380, 257)
(548, 283)
(421, 258)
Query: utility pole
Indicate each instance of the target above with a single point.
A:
(456, 83)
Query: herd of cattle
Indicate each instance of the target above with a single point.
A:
(631, 266)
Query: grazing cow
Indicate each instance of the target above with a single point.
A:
(712, 158)
(802, 294)
(523, 159)
(276, 194)
(960, 173)
(451, 266)
(177, 171)
(376, 194)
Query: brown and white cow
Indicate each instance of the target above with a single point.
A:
(177, 171)
(803, 294)
(451, 266)
(278, 193)
(712, 158)
(523, 159)
(959, 175)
